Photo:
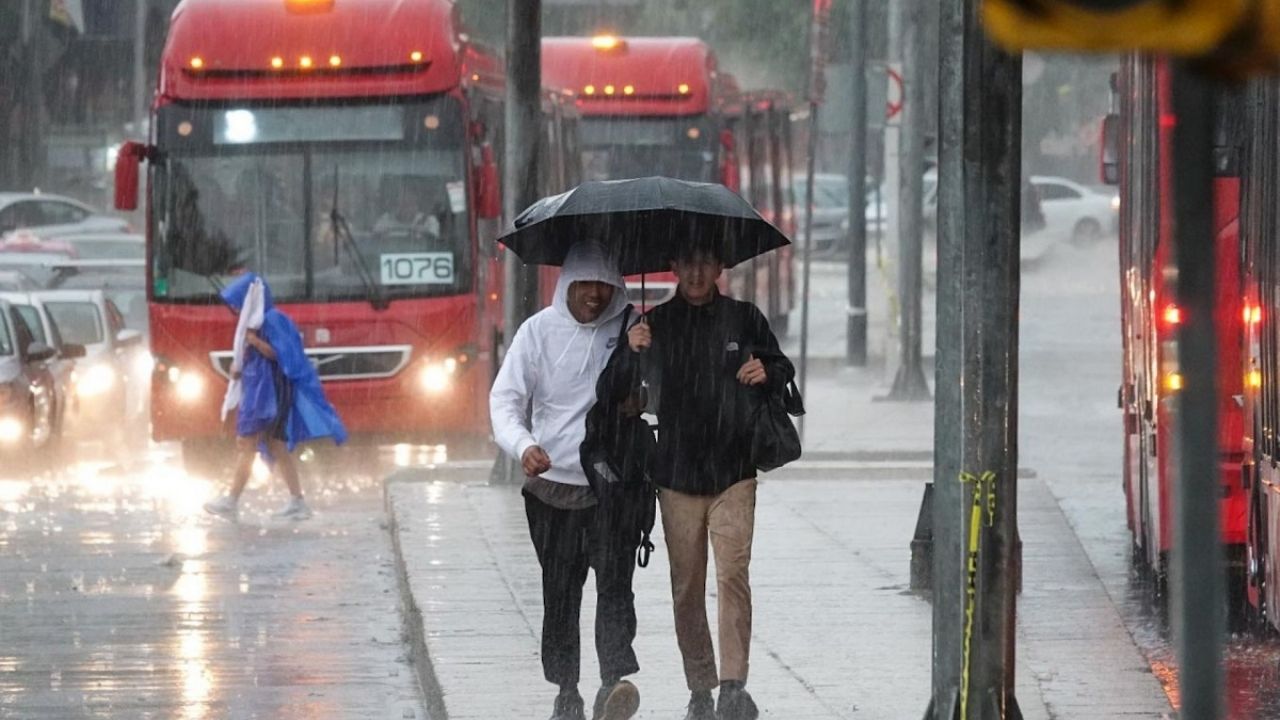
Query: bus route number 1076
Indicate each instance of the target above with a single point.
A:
(433, 268)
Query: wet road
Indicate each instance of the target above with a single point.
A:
(120, 598)
(1070, 432)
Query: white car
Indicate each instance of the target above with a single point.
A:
(54, 215)
(1076, 212)
(111, 382)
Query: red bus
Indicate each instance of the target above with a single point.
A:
(1138, 145)
(1260, 257)
(662, 106)
(345, 151)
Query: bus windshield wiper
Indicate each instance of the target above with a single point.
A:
(343, 231)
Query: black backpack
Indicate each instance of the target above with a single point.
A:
(618, 450)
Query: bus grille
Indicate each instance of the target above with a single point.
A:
(345, 363)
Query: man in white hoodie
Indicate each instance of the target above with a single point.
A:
(552, 367)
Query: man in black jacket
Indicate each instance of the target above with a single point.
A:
(709, 360)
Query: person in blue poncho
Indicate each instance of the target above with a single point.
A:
(276, 393)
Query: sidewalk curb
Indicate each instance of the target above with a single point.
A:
(419, 653)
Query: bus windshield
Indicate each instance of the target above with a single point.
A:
(260, 191)
(625, 147)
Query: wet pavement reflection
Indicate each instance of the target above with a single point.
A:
(120, 597)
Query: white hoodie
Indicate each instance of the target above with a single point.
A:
(553, 363)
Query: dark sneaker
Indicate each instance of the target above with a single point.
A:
(736, 704)
(569, 706)
(618, 701)
(701, 706)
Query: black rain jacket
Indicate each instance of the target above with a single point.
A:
(705, 416)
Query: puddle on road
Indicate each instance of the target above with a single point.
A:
(1252, 670)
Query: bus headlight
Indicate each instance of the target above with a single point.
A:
(189, 387)
(437, 377)
(11, 430)
(96, 380)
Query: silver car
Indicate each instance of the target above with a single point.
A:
(54, 215)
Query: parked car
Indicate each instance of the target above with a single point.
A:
(831, 212)
(31, 408)
(54, 214)
(1032, 207)
(104, 245)
(1077, 212)
(111, 382)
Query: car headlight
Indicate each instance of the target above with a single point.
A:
(437, 377)
(95, 380)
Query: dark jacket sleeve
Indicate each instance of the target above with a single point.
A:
(622, 375)
(764, 345)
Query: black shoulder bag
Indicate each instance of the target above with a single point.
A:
(774, 440)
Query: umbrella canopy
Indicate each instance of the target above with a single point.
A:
(643, 222)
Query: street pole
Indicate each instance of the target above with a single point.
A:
(520, 171)
(140, 83)
(817, 68)
(1198, 566)
(856, 323)
(975, 425)
(32, 153)
(910, 383)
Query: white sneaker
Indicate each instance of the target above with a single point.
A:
(225, 506)
(296, 510)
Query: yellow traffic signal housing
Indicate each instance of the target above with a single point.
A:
(1178, 27)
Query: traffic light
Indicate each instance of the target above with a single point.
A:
(1178, 27)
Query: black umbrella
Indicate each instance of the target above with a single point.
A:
(642, 222)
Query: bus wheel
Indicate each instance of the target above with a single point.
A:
(207, 458)
(1239, 610)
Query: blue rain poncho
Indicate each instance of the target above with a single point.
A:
(310, 416)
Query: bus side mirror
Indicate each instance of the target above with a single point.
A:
(129, 157)
(488, 189)
(1111, 149)
(729, 171)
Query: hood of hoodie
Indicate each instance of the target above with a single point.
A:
(588, 262)
(234, 294)
(568, 357)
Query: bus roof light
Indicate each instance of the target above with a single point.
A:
(277, 62)
(589, 90)
(683, 88)
(608, 89)
(335, 61)
(607, 42)
(305, 62)
(416, 56)
(308, 6)
(628, 89)
(197, 62)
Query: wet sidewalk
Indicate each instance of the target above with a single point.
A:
(837, 633)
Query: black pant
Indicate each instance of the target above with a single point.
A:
(568, 542)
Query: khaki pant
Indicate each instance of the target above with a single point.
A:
(729, 520)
